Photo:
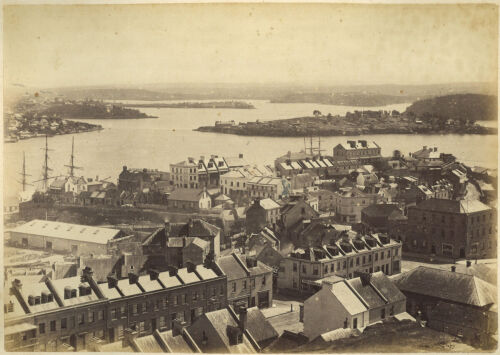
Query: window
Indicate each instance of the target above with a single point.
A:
(64, 323)
(369, 257)
(244, 284)
(264, 280)
(41, 328)
(221, 290)
(355, 323)
(123, 312)
(344, 264)
(304, 269)
(351, 262)
(364, 259)
(332, 267)
(234, 286)
(382, 256)
(396, 252)
(357, 261)
(447, 249)
(91, 317)
(135, 309)
(81, 319)
(100, 315)
(376, 254)
(113, 313)
(388, 254)
(156, 304)
(184, 301)
(315, 270)
(252, 283)
(382, 313)
(52, 325)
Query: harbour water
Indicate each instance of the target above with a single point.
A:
(155, 143)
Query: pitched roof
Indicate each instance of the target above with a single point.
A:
(58, 183)
(459, 315)
(82, 233)
(347, 298)
(258, 326)
(268, 204)
(447, 285)
(183, 194)
(381, 210)
(453, 206)
(220, 320)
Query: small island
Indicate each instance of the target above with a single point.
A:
(210, 104)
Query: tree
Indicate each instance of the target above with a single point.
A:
(316, 113)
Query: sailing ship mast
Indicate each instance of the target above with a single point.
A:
(24, 182)
(71, 165)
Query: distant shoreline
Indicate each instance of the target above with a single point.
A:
(212, 104)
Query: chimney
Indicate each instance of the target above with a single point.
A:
(112, 281)
(435, 149)
(129, 337)
(172, 271)
(124, 168)
(242, 321)
(240, 156)
(191, 267)
(153, 274)
(87, 273)
(184, 240)
(425, 147)
(178, 327)
(17, 284)
(468, 263)
(453, 268)
(251, 261)
(132, 276)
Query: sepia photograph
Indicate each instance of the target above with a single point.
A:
(250, 177)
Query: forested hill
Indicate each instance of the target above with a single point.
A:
(460, 107)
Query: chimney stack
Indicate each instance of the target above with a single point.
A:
(132, 276)
(153, 274)
(240, 156)
(173, 271)
(178, 327)
(129, 337)
(453, 268)
(112, 281)
(191, 267)
(242, 321)
(468, 263)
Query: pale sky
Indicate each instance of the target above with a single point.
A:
(332, 44)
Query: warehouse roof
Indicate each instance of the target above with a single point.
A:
(68, 231)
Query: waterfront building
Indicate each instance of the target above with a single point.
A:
(249, 281)
(361, 150)
(349, 253)
(455, 229)
(353, 304)
(63, 238)
(234, 183)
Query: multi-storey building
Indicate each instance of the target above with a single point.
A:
(293, 164)
(456, 229)
(262, 213)
(249, 282)
(301, 269)
(349, 202)
(268, 187)
(65, 314)
(361, 150)
(185, 174)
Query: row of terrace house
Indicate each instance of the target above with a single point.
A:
(67, 314)
(203, 172)
(304, 269)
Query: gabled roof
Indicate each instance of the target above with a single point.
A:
(447, 285)
(381, 210)
(258, 326)
(268, 204)
(453, 206)
(68, 231)
(58, 183)
(347, 298)
(183, 194)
